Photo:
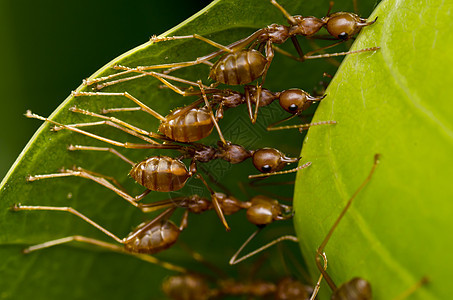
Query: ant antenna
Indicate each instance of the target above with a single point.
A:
(306, 165)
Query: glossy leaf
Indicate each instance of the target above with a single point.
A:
(78, 271)
(395, 102)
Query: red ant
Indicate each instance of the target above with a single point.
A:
(241, 66)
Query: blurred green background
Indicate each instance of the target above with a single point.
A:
(49, 46)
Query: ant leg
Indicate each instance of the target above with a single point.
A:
(216, 124)
(300, 126)
(215, 201)
(128, 96)
(413, 288)
(111, 150)
(269, 57)
(156, 39)
(234, 260)
(19, 207)
(79, 172)
(108, 123)
(290, 18)
(29, 114)
(306, 165)
(320, 250)
(342, 53)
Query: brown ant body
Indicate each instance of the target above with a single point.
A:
(194, 287)
(294, 101)
(242, 66)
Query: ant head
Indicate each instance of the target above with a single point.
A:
(269, 160)
(353, 289)
(306, 26)
(263, 210)
(295, 101)
(344, 25)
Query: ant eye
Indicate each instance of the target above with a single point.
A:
(266, 169)
(343, 36)
(293, 107)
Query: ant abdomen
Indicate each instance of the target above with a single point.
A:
(160, 173)
(186, 127)
(158, 237)
(355, 289)
(239, 67)
(186, 287)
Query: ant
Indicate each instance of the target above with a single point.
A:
(294, 101)
(241, 66)
(192, 286)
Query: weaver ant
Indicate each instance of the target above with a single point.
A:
(294, 101)
(242, 66)
(164, 173)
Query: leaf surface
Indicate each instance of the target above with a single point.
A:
(395, 102)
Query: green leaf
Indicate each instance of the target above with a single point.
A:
(395, 102)
(79, 271)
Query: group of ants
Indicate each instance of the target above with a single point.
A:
(240, 63)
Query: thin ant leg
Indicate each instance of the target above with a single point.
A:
(306, 165)
(105, 245)
(87, 240)
(320, 250)
(211, 113)
(79, 172)
(108, 123)
(128, 96)
(290, 18)
(156, 39)
(91, 148)
(269, 58)
(412, 289)
(119, 109)
(160, 76)
(133, 130)
(342, 53)
(299, 126)
(127, 145)
(234, 260)
(215, 202)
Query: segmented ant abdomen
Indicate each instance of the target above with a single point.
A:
(186, 287)
(230, 204)
(267, 160)
(159, 237)
(306, 26)
(263, 210)
(355, 289)
(292, 289)
(239, 67)
(160, 173)
(187, 126)
(343, 25)
(294, 100)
